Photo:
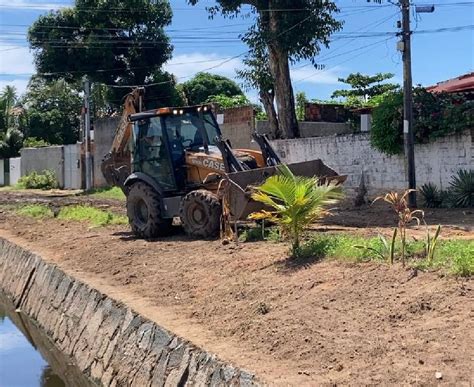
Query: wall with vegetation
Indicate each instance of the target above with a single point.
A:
(46, 158)
(351, 155)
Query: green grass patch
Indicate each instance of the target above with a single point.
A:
(453, 256)
(341, 246)
(35, 211)
(108, 193)
(93, 215)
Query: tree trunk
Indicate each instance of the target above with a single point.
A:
(267, 98)
(284, 96)
(280, 69)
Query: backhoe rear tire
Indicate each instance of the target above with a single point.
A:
(201, 213)
(144, 212)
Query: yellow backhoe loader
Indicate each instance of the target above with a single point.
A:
(173, 162)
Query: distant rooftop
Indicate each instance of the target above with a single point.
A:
(463, 83)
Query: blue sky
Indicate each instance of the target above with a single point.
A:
(436, 56)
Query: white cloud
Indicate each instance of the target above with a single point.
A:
(12, 340)
(33, 5)
(185, 66)
(310, 75)
(20, 84)
(15, 60)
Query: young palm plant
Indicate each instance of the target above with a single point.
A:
(294, 202)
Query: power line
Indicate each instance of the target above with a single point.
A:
(370, 46)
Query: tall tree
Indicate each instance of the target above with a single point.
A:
(53, 111)
(8, 99)
(365, 86)
(117, 42)
(204, 85)
(257, 75)
(291, 30)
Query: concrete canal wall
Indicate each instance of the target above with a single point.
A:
(109, 342)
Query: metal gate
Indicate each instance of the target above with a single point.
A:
(72, 166)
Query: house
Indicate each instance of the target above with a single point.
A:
(461, 84)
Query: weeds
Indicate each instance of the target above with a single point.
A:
(114, 193)
(260, 233)
(387, 252)
(93, 215)
(454, 256)
(35, 211)
(431, 242)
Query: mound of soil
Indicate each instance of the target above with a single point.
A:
(320, 323)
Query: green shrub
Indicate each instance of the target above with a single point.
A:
(33, 142)
(387, 124)
(462, 188)
(432, 197)
(44, 180)
(434, 115)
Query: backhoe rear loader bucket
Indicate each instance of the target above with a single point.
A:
(239, 200)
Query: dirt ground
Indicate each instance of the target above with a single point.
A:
(322, 324)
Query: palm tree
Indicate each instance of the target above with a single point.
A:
(9, 98)
(11, 143)
(295, 202)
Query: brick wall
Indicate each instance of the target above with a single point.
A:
(351, 154)
(238, 126)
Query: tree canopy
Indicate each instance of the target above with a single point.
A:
(114, 42)
(290, 31)
(53, 111)
(365, 86)
(204, 85)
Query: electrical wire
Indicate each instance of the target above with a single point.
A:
(369, 46)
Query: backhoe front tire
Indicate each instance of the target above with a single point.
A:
(144, 212)
(201, 213)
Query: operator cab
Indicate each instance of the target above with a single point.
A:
(161, 138)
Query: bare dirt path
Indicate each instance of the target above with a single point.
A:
(324, 324)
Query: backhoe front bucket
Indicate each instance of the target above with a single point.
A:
(240, 202)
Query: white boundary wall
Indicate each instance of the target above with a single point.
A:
(2, 172)
(349, 155)
(15, 170)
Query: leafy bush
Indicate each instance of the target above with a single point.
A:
(33, 142)
(387, 124)
(432, 196)
(226, 102)
(434, 114)
(45, 180)
(462, 188)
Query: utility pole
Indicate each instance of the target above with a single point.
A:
(408, 135)
(87, 133)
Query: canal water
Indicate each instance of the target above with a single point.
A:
(27, 356)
